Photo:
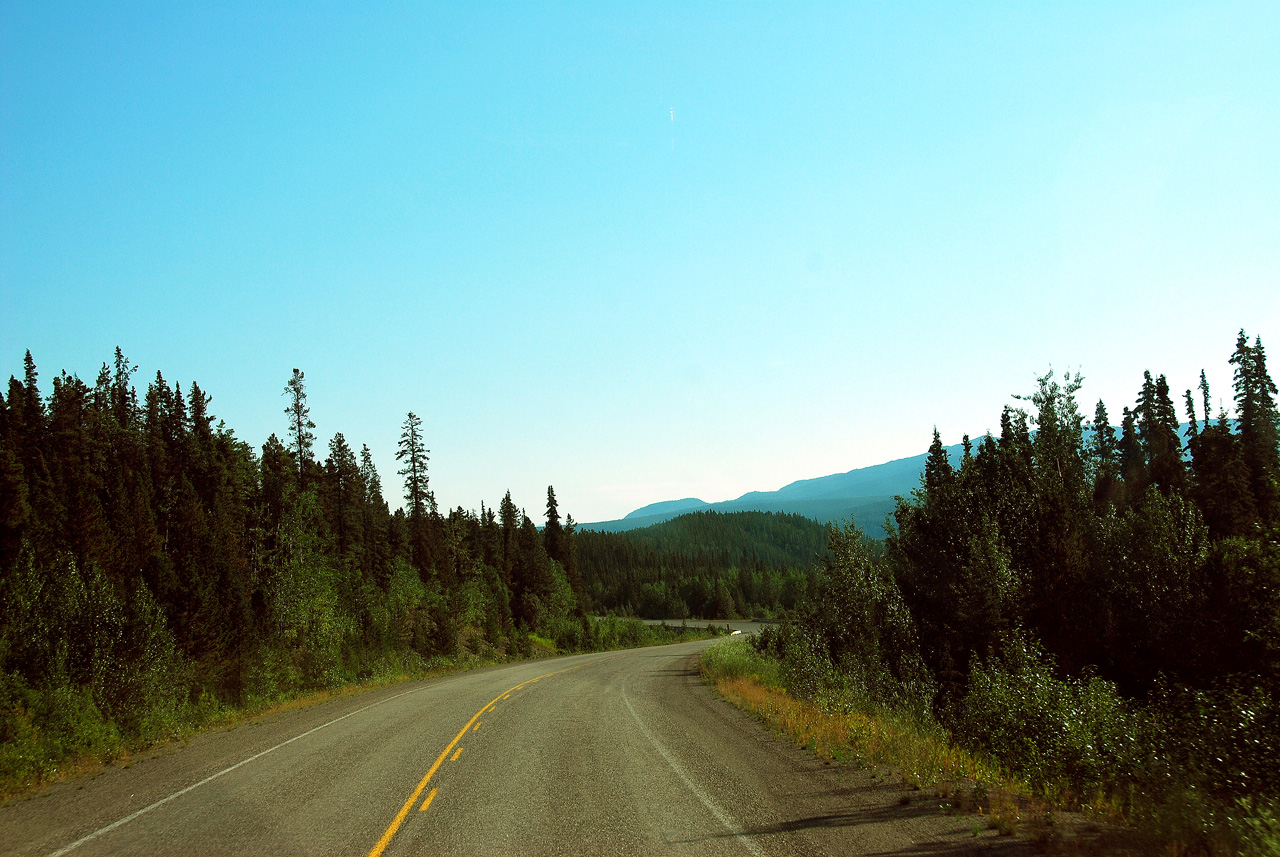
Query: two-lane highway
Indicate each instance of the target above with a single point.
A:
(613, 753)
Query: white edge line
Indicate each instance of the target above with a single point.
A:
(729, 824)
(128, 818)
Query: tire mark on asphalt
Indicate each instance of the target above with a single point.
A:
(723, 817)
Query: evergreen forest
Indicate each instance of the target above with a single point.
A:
(1095, 607)
(157, 572)
(703, 565)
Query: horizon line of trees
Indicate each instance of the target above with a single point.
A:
(703, 565)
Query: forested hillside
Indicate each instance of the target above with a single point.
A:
(703, 565)
(1099, 611)
(154, 568)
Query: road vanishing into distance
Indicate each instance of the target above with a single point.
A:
(613, 753)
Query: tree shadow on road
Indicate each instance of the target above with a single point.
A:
(951, 837)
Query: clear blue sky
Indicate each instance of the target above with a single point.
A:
(864, 220)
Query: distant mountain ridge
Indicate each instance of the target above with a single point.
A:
(864, 494)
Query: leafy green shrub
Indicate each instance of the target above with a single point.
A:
(856, 642)
(617, 632)
(41, 727)
(568, 634)
(1222, 742)
(1079, 731)
(735, 657)
(1257, 827)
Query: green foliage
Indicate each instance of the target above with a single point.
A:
(733, 658)
(306, 615)
(41, 728)
(1222, 740)
(156, 573)
(856, 638)
(707, 565)
(585, 634)
(1095, 611)
(1256, 824)
(1079, 731)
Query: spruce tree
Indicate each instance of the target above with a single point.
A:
(369, 477)
(1259, 421)
(28, 416)
(1102, 445)
(301, 439)
(413, 453)
(1204, 395)
(937, 465)
(124, 399)
(1157, 424)
(570, 550)
(421, 506)
(344, 491)
(276, 491)
(375, 551)
(1221, 483)
(14, 510)
(508, 515)
(1102, 450)
(553, 533)
(1168, 468)
(1133, 462)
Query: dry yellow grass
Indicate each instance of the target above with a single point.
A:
(923, 758)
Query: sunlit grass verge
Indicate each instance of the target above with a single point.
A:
(1061, 819)
(894, 745)
(919, 752)
(883, 741)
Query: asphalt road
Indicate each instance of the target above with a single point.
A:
(614, 753)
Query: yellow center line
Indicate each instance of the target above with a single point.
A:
(474, 728)
(474, 721)
(456, 755)
(431, 795)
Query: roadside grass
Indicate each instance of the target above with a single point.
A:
(541, 647)
(889, 744)
(32, 759)
(920, 753)
(894, 746)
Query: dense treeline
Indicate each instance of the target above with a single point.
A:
(1098, 609)
(704, 565)
(155, 569)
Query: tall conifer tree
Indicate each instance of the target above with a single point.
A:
(345, 492)
(509, 517)
(413, 453)
(1255, 394)
(553, 533)
(301, 439)
(419, 502)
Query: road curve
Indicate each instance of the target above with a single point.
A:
(613, 753)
